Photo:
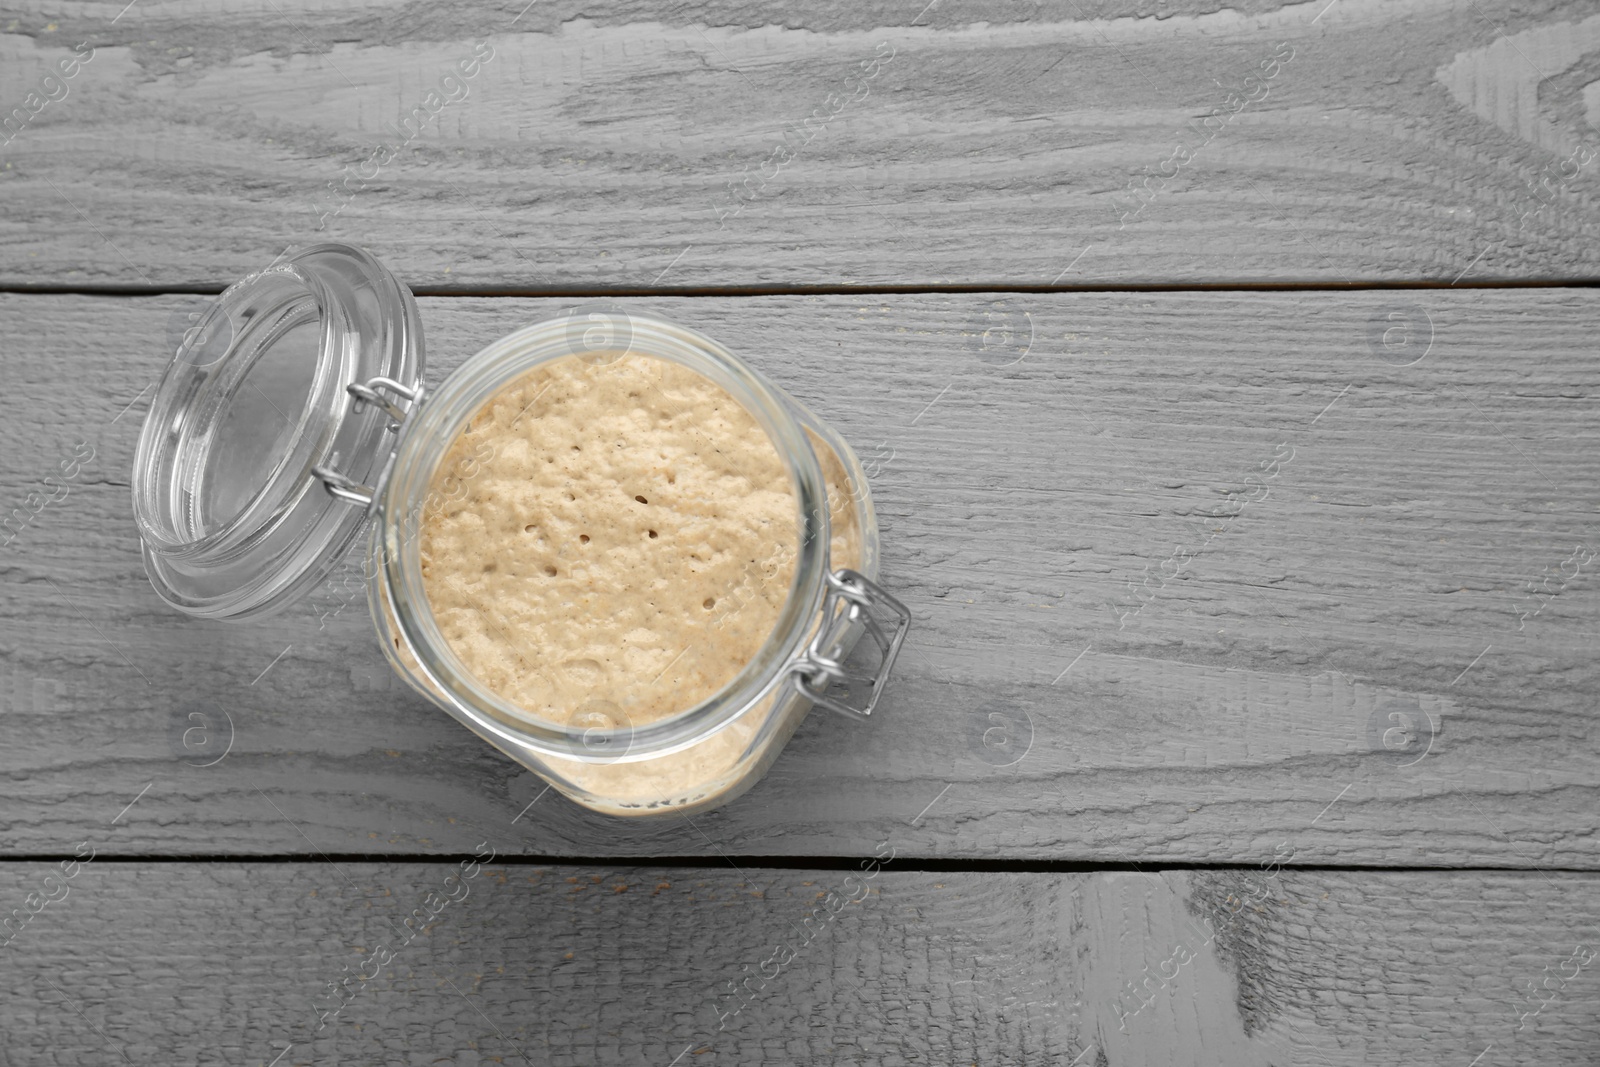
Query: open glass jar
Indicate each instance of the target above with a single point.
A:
(293, 417)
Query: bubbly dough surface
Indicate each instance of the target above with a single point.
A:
(609, 543)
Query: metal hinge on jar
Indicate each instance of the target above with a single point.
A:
(341, 485)
(851, 600)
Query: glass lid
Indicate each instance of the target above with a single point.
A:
(270, 430)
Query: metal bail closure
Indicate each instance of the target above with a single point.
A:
(297, 379)
(342, 486)
(852, 604)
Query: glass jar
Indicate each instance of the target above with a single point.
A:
(293, 417)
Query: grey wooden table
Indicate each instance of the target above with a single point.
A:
(1227, 377)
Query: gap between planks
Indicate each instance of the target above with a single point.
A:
(916, 865)
(914, 289)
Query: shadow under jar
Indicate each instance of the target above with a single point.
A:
(604, 544)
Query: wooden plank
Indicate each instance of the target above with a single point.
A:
(625, 146)
(1237, 690)
(233, 963)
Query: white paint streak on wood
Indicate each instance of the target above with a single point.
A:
(1154, 989)
(1501, 81)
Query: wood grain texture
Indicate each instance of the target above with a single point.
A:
(1241, 672)
(627, 146)
(231, 963)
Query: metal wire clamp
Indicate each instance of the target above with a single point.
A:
(850, 601)
(341, 485)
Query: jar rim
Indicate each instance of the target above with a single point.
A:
(430, 432)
